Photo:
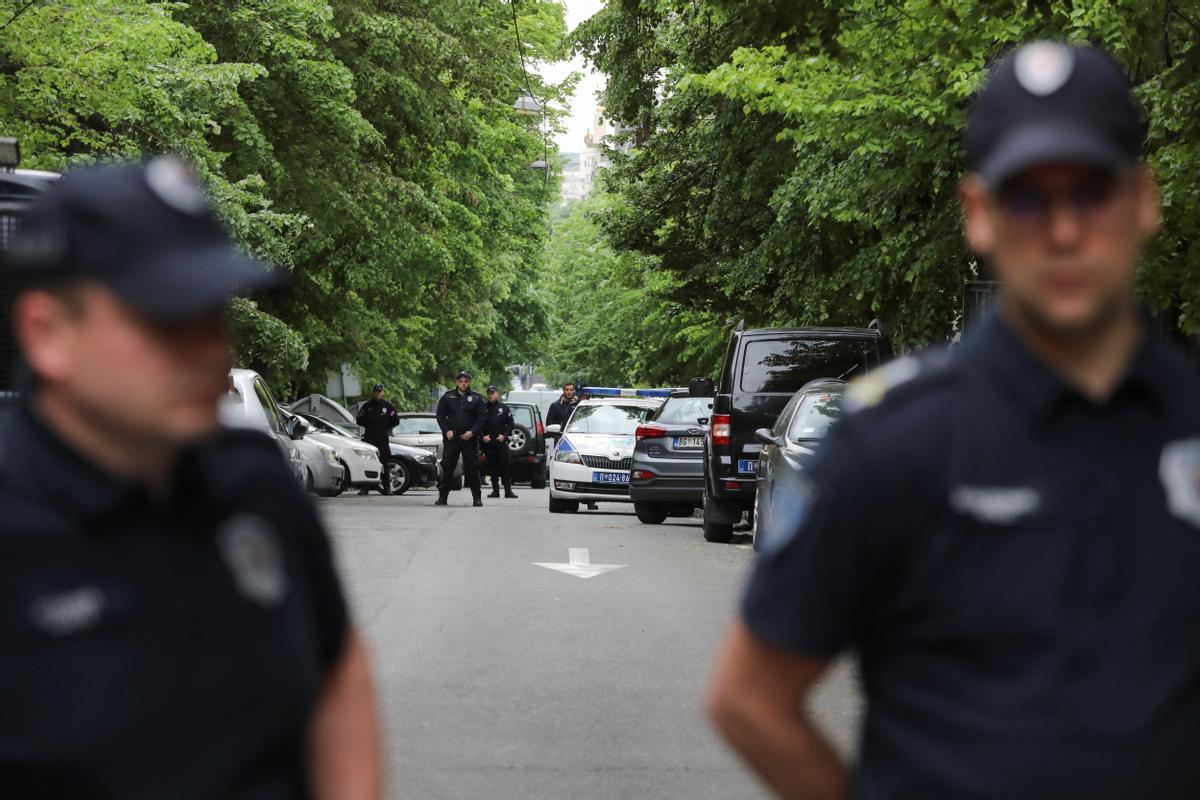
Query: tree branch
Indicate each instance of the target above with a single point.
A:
(19, 12)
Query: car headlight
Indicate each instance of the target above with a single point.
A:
(329, 454)
(568, 457)
(363, 452)
(426, 459)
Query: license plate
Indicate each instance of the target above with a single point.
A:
(430, 450)
(748, 465)
(610, 477)
(689, 442)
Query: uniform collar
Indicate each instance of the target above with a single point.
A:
(1038, 389)
(68, 481)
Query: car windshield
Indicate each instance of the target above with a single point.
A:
(417, 425)
(327, 426)
(785, 365)
(610, 419)
(523, 416)
(815, 416)
(685, 410)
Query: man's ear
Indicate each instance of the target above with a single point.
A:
(1149, 202)
(979, 225)
(44, 328)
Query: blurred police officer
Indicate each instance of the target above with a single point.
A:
(560, 410)
(497, 430)
(173, 624)
(378, 417)
(1008, 537)
(460, 416)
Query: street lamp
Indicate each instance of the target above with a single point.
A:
(528, 106)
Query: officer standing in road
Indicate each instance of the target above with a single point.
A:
(560, 410)
(1008, 537)
(377, 418)
(460, 416)
(497, 429)
(173, 622)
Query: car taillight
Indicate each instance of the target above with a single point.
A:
(641, 474)
(721, 429)
(541, 429)
(649, 432)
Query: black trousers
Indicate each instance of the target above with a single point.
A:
(499, 467)
(384, 446)
(469, 451)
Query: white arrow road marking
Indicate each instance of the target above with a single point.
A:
(580, 565)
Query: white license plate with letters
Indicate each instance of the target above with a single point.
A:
(610, 477)
(689, 442)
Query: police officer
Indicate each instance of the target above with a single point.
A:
(497, 430)
(560, 410)
(377, 417)
(1009, 537)
(460, 416)
(173, 624)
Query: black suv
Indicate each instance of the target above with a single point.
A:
(527, 447)
(763, 368)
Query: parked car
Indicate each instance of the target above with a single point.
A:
(762, 370)
(250, 403)
(787, 449)
(527, 446)
(418, 471)
(411, 466)
(593, 456)
(421, 430)
(667, 472)
(359, 460)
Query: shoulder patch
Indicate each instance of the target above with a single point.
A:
(874, 387)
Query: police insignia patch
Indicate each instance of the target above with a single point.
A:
(1042, 68)
(251, 551)
(1179, 469)
(173, 182)
(869, 390)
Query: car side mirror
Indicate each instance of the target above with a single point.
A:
(295, 428)
(764, 436)
(553, 430)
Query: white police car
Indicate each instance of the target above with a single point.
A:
(592, 458)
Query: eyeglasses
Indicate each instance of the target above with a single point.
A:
(1029, 205)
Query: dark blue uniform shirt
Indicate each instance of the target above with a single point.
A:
(461, 412)
(1018, 569)
(159, 649)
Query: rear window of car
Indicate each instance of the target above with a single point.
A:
(784, 365)
(417, 425)
(815, 416)
(610, 419)
(689, 410)
(523, 416)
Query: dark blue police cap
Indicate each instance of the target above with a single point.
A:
(377, 387)
(145, 231)
(1048, 103)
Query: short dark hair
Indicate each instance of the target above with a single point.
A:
(568, 383)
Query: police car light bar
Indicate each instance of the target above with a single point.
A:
(609, 391)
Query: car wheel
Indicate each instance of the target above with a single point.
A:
(399, 478)
(682, 510)
(518, 441)
(756, 519)
(652, 513)
(563, 506)
(537, 483)
(714, 531)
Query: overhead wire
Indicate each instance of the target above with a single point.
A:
(545, 126)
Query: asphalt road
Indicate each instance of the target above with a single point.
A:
(503, 679)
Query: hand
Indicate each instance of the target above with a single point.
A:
(487, 439)
(500, 437)
(468, 436)
(449, 435)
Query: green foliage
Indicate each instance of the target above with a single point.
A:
(799, 161)
(609, 326)
(367, 146)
